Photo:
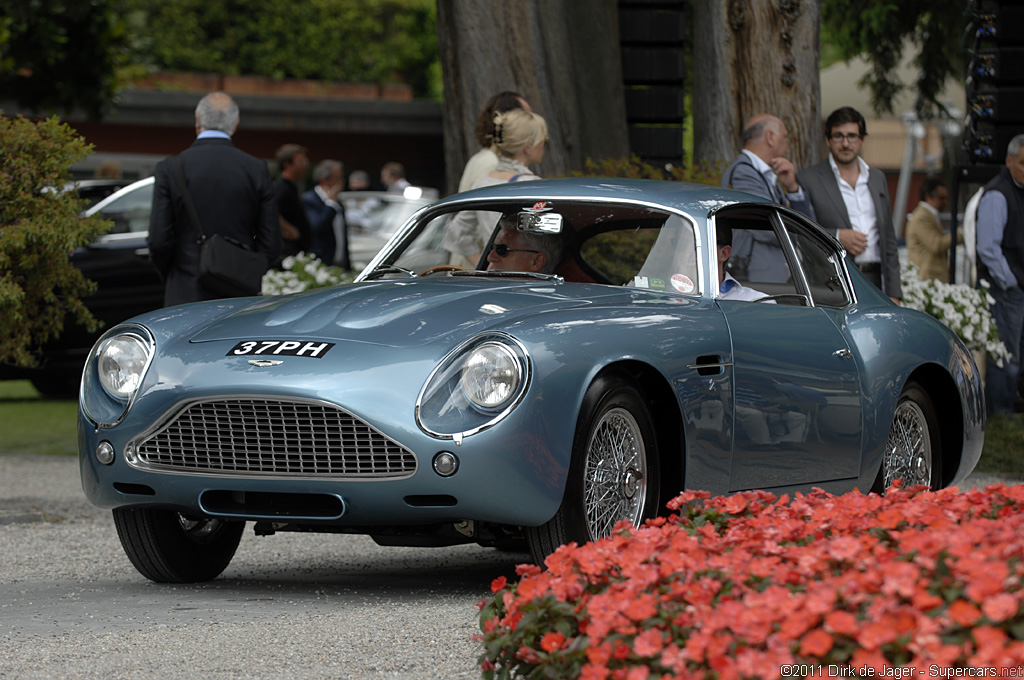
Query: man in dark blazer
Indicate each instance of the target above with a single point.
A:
(327, 215)
(852, 200)
(232, 194)
(762, 169)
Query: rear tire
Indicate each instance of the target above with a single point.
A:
(913, 451)
(168, 547)
(613, 474)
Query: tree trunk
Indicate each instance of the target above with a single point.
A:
(756, 56)
(561, 55)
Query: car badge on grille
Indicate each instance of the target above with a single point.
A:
(263, 363)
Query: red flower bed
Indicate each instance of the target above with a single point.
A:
(913, 584)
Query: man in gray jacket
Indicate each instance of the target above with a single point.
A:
(762, 169)
(852, 200)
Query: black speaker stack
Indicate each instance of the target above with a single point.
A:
(995, 80)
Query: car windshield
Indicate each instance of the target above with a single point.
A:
(585, 242)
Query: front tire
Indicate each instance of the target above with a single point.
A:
(168, 547)
(913, 451)
(614, 471)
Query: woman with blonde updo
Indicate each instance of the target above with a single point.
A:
(520, 138)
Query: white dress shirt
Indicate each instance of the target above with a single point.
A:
(861, 209)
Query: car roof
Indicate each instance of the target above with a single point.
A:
(134, 186)
(699, 199)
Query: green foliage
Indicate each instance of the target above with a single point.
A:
(355, 41)
(60, 54)
(39, 227)
(1002, 453)
(880, 30)
(634, 168)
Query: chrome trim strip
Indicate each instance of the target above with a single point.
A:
(457, 437)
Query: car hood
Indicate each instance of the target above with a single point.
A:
(400, 313)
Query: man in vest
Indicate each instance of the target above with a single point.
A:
(1000, 227)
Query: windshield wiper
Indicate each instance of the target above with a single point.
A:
(508, 274)
(390, 269)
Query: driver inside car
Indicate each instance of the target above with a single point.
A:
(514, 250)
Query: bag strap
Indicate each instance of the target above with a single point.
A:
(179, 176)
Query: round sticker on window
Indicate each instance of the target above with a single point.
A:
(682, 283)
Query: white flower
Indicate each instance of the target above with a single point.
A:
(301, 272)
(965, 310)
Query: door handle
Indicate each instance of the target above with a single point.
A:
(843, 353)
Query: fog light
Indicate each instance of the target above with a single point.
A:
(105, 453)
(446, 464)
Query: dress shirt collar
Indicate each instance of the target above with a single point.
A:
(930, 208)
(761, 166)
(213, 134)
(861, 178)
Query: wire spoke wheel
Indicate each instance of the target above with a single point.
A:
(913, 451)
(615, 476)
(908, 452)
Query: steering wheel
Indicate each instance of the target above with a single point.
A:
(442, 268)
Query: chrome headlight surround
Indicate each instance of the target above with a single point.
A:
(114, 372)
(477, 385)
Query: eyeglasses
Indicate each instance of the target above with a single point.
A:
(850, 137)
(501, 250)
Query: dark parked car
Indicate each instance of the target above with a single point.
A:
(430, 404)
(128, 284)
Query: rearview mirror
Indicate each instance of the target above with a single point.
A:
(540, 223)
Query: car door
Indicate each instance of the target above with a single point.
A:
(797, 406)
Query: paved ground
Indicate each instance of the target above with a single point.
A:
(291, 605)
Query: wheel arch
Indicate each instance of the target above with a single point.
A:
(662, 403)
(945, 396)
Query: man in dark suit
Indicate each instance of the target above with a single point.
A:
(852, 200)
(762, 169)
(327, 215)
(232, 193)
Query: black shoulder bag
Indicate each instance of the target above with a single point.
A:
(226, 266)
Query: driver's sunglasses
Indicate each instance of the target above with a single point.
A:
(501, 250)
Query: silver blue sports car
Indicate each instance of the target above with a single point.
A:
(523, 366)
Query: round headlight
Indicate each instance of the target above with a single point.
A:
(490, 376)
(121, 362)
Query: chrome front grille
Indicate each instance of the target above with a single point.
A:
(269, 437)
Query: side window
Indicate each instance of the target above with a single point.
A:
(821, 266)
(659, 253)
(130, 213)
(758, 259)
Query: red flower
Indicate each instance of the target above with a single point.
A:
(999, 607)
(816, 644)
(498, 584)
(551, 642)
(964, 613)
(842, 623)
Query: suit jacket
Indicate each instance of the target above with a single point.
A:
(819, 183)
(757, 253)
(927, 244)
(232, 194)
(743, 176)
(321, 221)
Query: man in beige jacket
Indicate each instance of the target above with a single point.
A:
(927, 244)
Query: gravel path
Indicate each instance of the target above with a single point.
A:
(290, 605)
